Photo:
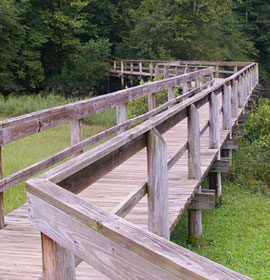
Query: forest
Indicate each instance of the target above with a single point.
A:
(64, 46)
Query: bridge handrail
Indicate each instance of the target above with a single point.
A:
(124, 250)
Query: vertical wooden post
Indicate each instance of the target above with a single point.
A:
(217, 69)
(235, 69)
(194, 170)
(76, 133)
(122, 75)
(2, 212)
(227, 108)
(165, 71)
(151, 70)
(241, 92)
(140, 69)
(214, 143)
(197, 81)
(131, 69)
(257, 72)
(151, 101)
(121, 115)
(158, 213)
(157, 73)
(114, 66)
(185, 85)
(227, 117)
(170, 94)
(58, 263)
(234, 99)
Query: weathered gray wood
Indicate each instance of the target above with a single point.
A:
(241, 92)
(171, 93)
(214, 143)
(158, 208)
(214, 132)
(203, 201)
(231, 144)
(121, 115)
(105, 255)
(88, 224)
(221, 165)
(57, 262)
(234, 99)
(2, 216)
(227, 108)
(177, 155)
(194, 170)
(76, 134)
(140, 69)
(151, 101)
(125, 206)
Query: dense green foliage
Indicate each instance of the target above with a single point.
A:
(251, 164)
(65, 45)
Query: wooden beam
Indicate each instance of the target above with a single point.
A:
(231, 144)
(227, 109)
(128, 251)
(158, 201)
(121, 115)
(221, 165)
(203, 201)
(2, 210)
(234, 99)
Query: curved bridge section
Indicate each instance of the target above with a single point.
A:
(113, 207)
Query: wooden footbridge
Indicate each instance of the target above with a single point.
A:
(107, 213)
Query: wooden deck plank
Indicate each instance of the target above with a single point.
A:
(20, 249)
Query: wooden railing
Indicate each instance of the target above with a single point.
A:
(19, 127)
(70, 225)
(154, 69)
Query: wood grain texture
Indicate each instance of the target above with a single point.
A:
(158, 208)
(2, 217)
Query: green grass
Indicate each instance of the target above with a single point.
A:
(236, 234)
(29, 150)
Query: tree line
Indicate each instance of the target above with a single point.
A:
(65, 45)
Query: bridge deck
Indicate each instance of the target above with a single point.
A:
(20, 248)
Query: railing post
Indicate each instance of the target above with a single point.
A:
(241, 92)
(121, 115)
(214, 143)
(235, 69)
(194, 170)
(257, 72)
(234, 99)
(140, 69)
(158, 213)
(217, 69)
(185, 86)
(151, 69)
(114, 66)
(157, 73)
(58, 263)
(122, 75)
(197, 81)
(76, 133)
(2, 211)
(227, 109)
(165, 71)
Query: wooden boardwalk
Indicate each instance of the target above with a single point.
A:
(20, 247)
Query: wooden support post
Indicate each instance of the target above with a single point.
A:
(121, 115)
(151, 70)
(185, 85)
(241, 92)
(122, 75)
(76, 133)
(194, 171)
(114, 66)
(235, 69)
(217, 73)
(257, 72)
(58, 263)
(158, 213)
(157, 73)
(165, 71)
(2, 212)
(170, 94)
(227, 108)
(151, 101)
(234, 99)
(140, 69)
(214, 143)
(131, 69)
